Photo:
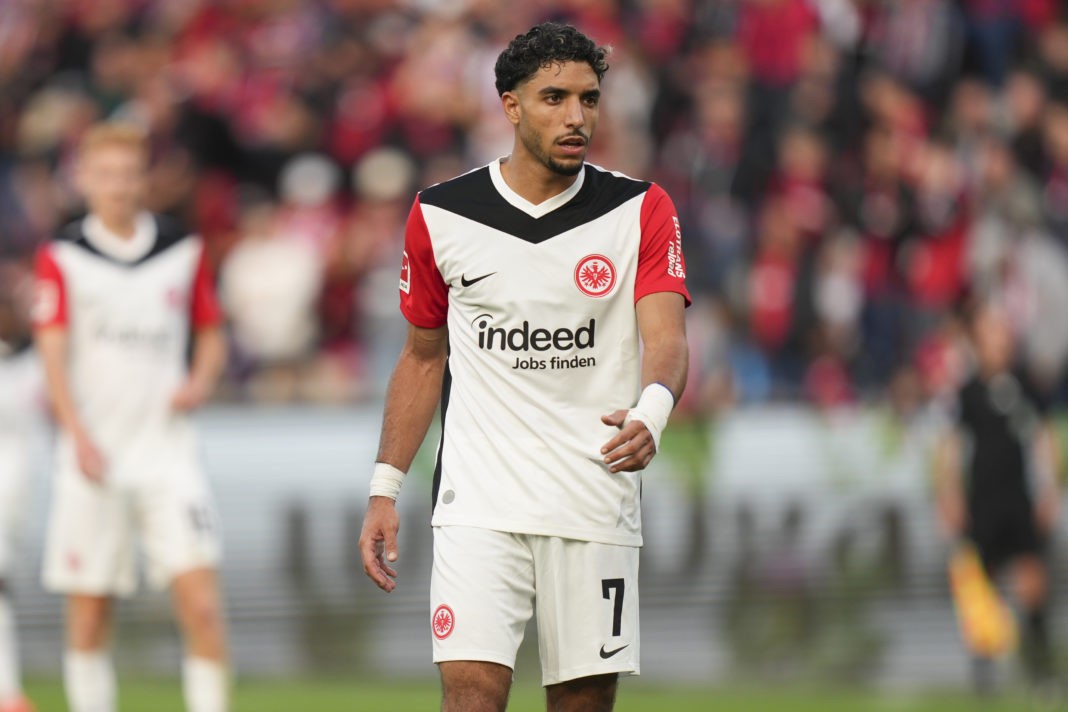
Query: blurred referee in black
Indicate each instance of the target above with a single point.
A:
(997, 481)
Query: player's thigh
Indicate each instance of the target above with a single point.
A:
(481, 594)
(472, 686)
(587, 606)
(90, 545)
(585, 694)
(179, 527)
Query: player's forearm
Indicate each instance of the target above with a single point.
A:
(51, 346)
(665, 356)
(209, 358)
(411, 400)
(947, 467)
(666, 362)
(1047, 457)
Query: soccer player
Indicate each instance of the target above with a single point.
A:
(997, 479)
(20, 386)
(527, 284)
(118, 293)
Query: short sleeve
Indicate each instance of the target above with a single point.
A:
(49, 292)
(661, 267)
(204, 309)
(424, 296)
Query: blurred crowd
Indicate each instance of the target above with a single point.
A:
(847, 172)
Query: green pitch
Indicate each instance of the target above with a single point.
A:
(422, 696)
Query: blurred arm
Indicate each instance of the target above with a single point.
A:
(1047, 461)
(209, 359)
(949, 483)
(51, 343)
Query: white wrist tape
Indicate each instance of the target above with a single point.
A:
(386, 481)
(653, 408)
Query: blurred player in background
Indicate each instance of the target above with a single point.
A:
(117, 295)
(527, 284)
(21, 391)
(997, 480)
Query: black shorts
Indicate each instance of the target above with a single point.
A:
(1004, 533)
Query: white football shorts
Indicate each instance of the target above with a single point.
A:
(486, 584)
(94, 530)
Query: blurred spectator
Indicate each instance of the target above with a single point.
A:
(269, 287)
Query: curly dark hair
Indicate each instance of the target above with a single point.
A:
(546, 44)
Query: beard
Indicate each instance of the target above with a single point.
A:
(533, 142)
(562, 169)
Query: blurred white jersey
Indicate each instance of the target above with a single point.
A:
(540, 306)
(128, 306)
(21, 406)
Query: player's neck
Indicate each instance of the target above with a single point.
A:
(122, 226)
(531, 179)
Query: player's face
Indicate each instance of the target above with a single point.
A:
(556, 115)
(112, 179)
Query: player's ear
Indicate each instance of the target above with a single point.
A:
(510, 103)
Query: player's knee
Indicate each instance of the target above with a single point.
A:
(474, 687)
(202, 615)
(596, 693)
(1030, 584)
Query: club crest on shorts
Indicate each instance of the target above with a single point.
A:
(595, 275)
(443, 621)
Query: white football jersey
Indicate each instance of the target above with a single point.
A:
(543, 341)
(128, 306)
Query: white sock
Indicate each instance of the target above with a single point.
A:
(206, 685)
(89, 678)
(10, 686)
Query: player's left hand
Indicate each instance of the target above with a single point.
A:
(190, 396)
(632, 449)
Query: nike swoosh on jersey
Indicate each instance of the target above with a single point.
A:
(464, 281)
(605, 654)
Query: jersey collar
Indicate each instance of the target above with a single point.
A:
(117, 248)
(544, 207)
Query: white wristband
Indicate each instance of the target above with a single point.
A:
(386, 481)
(653, 408)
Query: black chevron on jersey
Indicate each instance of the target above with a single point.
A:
(473, 196)
(168, 234)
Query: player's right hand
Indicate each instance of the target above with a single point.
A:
(90, 461)
(378, 542)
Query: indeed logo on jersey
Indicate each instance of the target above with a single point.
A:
(133, 337)
(524, 338)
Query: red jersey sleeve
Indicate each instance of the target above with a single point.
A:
(424, 296)
(49, 291)
(204, 309)
(661, 267)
